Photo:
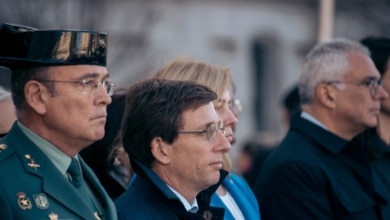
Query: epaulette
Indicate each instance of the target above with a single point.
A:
(5, 151)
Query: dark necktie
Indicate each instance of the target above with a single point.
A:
(75, 173)
(79, 183)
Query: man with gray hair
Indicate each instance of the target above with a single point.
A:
(7, 109)
(320, 170)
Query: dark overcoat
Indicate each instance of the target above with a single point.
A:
(314, 174)
(149, 198)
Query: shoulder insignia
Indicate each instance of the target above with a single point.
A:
(3, 147)
(5, 151)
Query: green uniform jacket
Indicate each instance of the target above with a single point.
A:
(31, 187)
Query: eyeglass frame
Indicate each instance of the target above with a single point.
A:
(108, 84)
(235, 106)
(210, 136)
(371, 83)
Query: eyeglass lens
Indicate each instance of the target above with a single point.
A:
(374, 86)
(109, 86)
(211, 131)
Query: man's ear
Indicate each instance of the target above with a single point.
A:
(326, 94)
(160, 150)
(36, 94)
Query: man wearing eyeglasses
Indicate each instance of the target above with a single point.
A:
(320, 170)
(175, 142)
(60, 88)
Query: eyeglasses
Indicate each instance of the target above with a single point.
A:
(235, 106)
(211, 131)
(372, 84)
(88, 84)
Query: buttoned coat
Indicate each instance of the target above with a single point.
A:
(314, 174)
(31, 187)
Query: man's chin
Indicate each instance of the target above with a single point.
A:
(372, 123)
(99, 134)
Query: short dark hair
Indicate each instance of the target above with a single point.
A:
(380, 51)
(19, 78)
(154, 108)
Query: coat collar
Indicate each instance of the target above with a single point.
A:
(203, 197)
(37, 164)
(322, 137)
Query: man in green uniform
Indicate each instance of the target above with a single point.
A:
(60, 89)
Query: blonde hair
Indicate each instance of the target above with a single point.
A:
(216, 78)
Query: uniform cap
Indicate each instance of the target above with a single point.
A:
(22, 46)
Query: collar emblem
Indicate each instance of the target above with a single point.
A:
(32, 163)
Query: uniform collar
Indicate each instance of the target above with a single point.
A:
(57, 157)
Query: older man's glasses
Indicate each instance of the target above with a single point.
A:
(88, 85)
(372, 84)
(210, 131)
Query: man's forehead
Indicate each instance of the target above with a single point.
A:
(200, 116)
(361, 67)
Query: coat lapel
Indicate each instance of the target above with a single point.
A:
(54, 184)
(100, 193)
(232, 187)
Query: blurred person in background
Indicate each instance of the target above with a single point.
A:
(7, 112)
(379, 137)
(320, 170)
(253, 155)
(246, 155)
(234, 194)
(290, 104)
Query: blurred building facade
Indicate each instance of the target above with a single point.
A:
(263, 42)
